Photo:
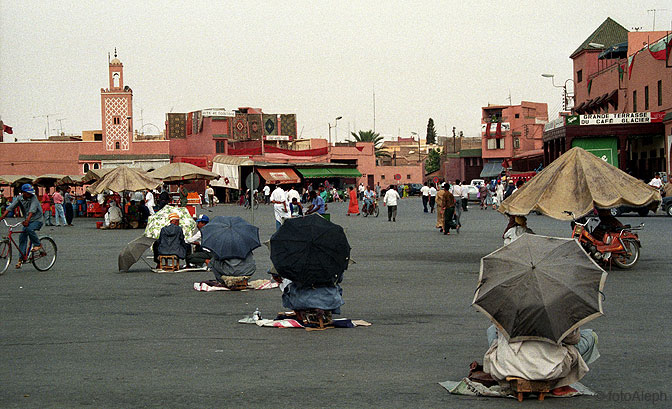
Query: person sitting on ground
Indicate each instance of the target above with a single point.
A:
(295, 208)
(562, 364)
(171, 240)
(133, 214)
(30, 207)
(317, 204)
(113, 217)
(200, 255)
(233, 272)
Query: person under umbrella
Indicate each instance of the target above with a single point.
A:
(310, 254)
(231, 240)
(200, 255)
(171, 240)
(538, 291)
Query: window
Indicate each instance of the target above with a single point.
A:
(408, 176)
(96, 166)
(516, 143)
(579, 76)
(116, 145)
(382, 177)
(220, 146)
(97, 136)
(660, 92)
(86, 167)
(116, 120)
(646, 98)
(495, 143)
(634, 101)
(517, 115)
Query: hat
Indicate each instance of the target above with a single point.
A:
(27, 188)
(173, 216)
(203, 218)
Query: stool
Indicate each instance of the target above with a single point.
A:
(520, 385)
(236, 282)
(169, 263)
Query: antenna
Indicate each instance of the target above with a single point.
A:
(374, 107)
(60, 124)
(510, 97)
(46, 131)
(654, 16)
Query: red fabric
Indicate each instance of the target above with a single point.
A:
(273, 149)
(487, 130)
(7, 129)
(498, 132)
(190, 123)
(353, 207)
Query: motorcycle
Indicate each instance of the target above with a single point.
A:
(620, 246)
(372, 210)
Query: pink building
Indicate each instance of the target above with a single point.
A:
(510, 134)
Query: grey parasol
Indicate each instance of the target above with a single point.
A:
(133, 252)
(539, 288)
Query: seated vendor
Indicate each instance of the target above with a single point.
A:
(171, 240)
(232, 271)
(133, 214)
(113, 217)
(563, 364)
(200, 255)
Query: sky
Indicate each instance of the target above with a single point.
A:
(320, 60)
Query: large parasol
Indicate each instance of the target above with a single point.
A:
(159, 220)
(123, 179)
(181, 171)
(578, 181)
(310, 250)
(539, 288)
(133, 251)
(230, 237)
(15, 180)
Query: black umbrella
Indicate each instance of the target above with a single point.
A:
(539, 288)
(230, 237)
(310, 250)
(133, 251)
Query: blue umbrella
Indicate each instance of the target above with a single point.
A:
(230, 237)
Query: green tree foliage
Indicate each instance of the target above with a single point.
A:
(433, 162)
(431, 132)
(370, 136)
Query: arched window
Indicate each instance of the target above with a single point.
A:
(96, 166)
(116, 145)
(86, 167)
(115, 80)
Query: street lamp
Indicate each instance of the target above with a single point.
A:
(336, 129)
(566, 96)
(419, 156)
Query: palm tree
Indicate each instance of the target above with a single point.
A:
(371, 136)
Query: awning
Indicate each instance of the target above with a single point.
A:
(323, 173)
(285, 175)
(492, 169)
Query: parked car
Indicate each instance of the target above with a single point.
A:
(472, 191)
(643, 211)
(476, 182)
(414, 189)
(667, 205)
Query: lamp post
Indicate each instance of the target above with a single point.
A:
(419, 156)
(565, 95)
(336, 129)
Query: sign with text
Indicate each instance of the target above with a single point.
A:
(277, 137)
(218, 112)
(617, 118)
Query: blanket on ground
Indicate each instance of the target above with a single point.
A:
(471, 388)
(214, 285)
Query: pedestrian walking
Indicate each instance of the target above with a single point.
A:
(448, 211)
(353, 206)
(68, 206)
(456, 190)
(46, 208)
(390, 200)
(149, 201)
(280, 206)
(210, 195)
(499, 192)
(465, 197)
(58, 206)
(267, 194)
(424, 191)
(432, 197)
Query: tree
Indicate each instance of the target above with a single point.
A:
(370, 136)
(431, 132)
(433, 162)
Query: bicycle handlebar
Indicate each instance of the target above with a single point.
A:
(11, 225)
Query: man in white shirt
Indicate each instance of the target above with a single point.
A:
(200, 255)
(457, 190)
(424, 191)
(293, 193)
(360, 191)
(432, 197)
(267, 194)
(280, 206)
(390, 200)
(465, 197)
(656, 182)
(149, 201)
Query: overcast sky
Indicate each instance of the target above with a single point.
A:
(320, 60)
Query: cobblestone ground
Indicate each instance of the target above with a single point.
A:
(85, 335)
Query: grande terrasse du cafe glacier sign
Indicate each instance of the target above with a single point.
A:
(615, 119)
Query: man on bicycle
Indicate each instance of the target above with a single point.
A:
(368, 198)
(30, 206)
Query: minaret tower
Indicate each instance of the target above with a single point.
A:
(116, 103)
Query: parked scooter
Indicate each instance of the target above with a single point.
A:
(620, 246)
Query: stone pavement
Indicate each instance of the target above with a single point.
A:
(85, 335)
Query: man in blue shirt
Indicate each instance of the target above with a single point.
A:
(317, 204)
(32, 209)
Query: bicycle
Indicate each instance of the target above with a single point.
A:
(42, 260)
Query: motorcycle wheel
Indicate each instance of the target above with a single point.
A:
(365, 211)
(631, 256)
(376, 211)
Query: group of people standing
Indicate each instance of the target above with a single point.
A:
(59, 206)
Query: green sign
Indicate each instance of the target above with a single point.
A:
(603, 148)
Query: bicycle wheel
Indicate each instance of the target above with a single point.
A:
(376, 211)
(5, 255)
(45, 259)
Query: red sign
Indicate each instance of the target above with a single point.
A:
(436, 179)
(397, 177)
(200, 162)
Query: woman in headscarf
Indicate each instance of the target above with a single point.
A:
(353, 207)
(440, 207)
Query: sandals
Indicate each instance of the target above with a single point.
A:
(19, 264)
